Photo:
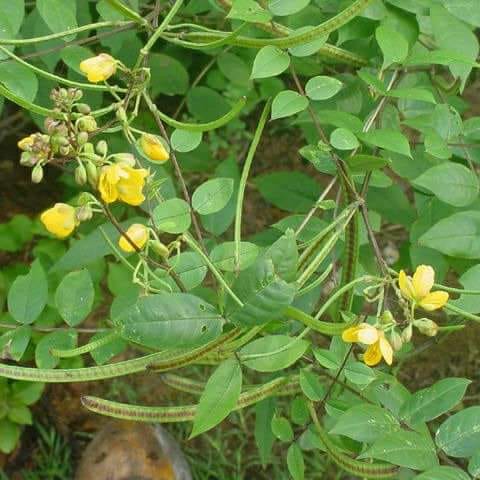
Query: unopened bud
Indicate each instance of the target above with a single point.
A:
(84, 213)
(88, 148)
(396, 340)
(407, 334)
(65, 150)
(81, 175)
(121, 115)
(92, 174)
(159, 248)
(75, 94)
(83, 108)
(84, 198)
(426, 326)
(82, 138)
(28, 159)
(37, 174)
(387, 318)
(87, 124)
(102, 147)
(126, 158)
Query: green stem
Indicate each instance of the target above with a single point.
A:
(128, 12)
(243, 181)
(461, 312)
(327, 328)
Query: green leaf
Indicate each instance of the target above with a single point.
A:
(474, 465)
(234, 68)
(295, 461)
(404, 448)
(105, 353)
(457, 235)
(213, 195)
(264, 295)
(61, 339)
(466, 10)
(16, 341)
(269, 62)
(273, 352)
(282, 429)
(311, 386)
(206, 104)
(219, 397)
(470, 280)
(282, 8)
(452, 183)
(173, 320)
(190, 267)
(452, 34)
(284, 255)
(366, 423)
(223, 255)
(9, 437)
(20, 414)
(26, 392)
(393, 44)
(443, 473)
(459, 435)
(248, 11)
(322, 87)
(28, 294)
(414, 93)
(288, 103)
(291, 191)
(264, 437)
(343, 139)
(169, 76)
(74, 297)
(19, 79)
(13, 13)
(185, 140)
(172, 216)
(310, 47)
(365, 163)
(59, 15)
(388, 139)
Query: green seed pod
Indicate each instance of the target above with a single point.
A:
(37, 174)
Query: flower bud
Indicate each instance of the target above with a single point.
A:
(84, 198)
(88, 148)
(81, 174)
(387, 318)
(426, 326)
(82, 138)
(28, 159)
(155, 148)
(65, 150)
(407, 334)
(396, 340)
(37, 174)
(159, 248)
(87, 124)
(84, 213)
(121, 115)
(126, 158)
(102, 147)
(83, 108)
(50, 125)
(75, 94)
(92, 174)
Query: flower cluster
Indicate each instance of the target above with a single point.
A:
(382, 338)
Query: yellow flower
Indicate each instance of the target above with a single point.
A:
(378, 345)
(26, 143)
(122, 182)
(418, 288)
(59, 220)
(154, 148)
(99, 68)
(378, 350)
(138, 233)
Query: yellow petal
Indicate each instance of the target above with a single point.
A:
(59, 220)
(423, 279)
(434, 301)
(99, 68)
(362, 333)
(405, 284)
(130, 189)
(373, 355)
(26, 142)
(107, 188)
(154, 148)
(386, 349)
(138, 233)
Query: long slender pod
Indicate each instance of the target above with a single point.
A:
(350, 465)
(184, 413)
(164, 360)
(74, 352)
